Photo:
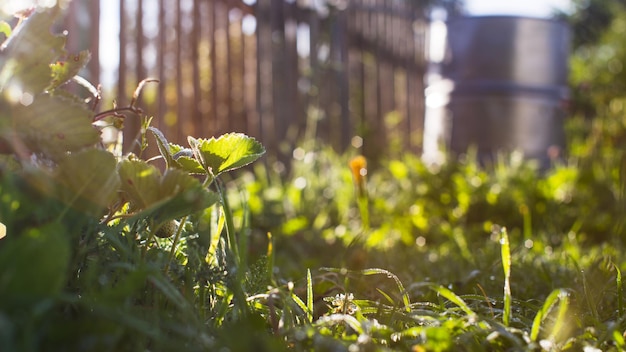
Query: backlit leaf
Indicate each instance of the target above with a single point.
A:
(162, 197)
(89, 180)
(227, 152)
(5, 29)
(86, 181)
(29, 51)
(50, 125)
(64, 70)
(175, 156)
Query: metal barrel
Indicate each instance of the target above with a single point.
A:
(508, 86)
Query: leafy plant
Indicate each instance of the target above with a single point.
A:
(108, 234)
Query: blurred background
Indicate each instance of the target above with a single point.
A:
(384, 76)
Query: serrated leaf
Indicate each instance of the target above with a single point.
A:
(162, 197)
(64, 70)
(27, 54)
(50, 125)
(227, 152)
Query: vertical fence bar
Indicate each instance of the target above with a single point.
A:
(365, 61)
(196, 94)
(93, 66)
(179, 73)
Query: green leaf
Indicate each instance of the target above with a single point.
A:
(140, 183)
(89, 180)
(227, 152)
(50, 125)
(174, 154)
(25, 61)
(86, 181)
(162, 197)
(163, 145)
(33, 266)
(64, 70)
(5, 28)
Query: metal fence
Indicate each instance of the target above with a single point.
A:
(277, 70)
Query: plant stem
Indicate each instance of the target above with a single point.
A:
(363, 204)
(233, 258)
(230, 225)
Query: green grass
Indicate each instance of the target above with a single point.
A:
(434, 270)
(104, 252)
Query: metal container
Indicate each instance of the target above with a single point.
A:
(508, 87)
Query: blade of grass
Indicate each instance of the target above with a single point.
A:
(588, 297)
(309, 296)
(387, 297)
(405, 296)
(270, 257)
(560, 317)
(554, 297)
(334, 319)
(618, 283)
(234, 258)
(527, 221)
(300, 303)
(217, 226)
(506, 265)
(452, 297)
(376, 271)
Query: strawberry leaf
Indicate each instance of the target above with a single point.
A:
(26, 57)
(50, 125)
(162, 197)
(227, 152)
(64, 70)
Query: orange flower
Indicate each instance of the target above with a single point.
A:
(358, 165)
